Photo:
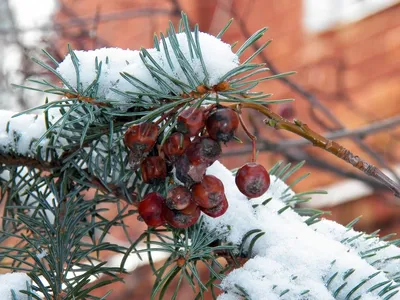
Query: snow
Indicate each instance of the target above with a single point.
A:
(13, 281)
(218, 59)
(290, 249)
(18, 134)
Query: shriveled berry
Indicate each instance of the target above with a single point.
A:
(191, 121)
(209, 192)
(153, 169)
(252, 180)
(187, 172)
(175, 145)
(150, 209)
(222, 124)
(140, 139)
(218, 210)
(177, 219)
(203, 150)
(178, 198)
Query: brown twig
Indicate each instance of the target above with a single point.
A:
(249, 134)
(12, 160)
(311, 98)
(345, 133)
(276, 121)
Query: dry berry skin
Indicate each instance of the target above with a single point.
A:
(222, 124)
(191, 121)
(252, 180)
(178, 198)
(189, 173)
(175, 145)
(190, 209)
(217, 211)
(209, 192)
(153, 169)
(150, 209)
(203, 151)
(177, 219)
(141, 137)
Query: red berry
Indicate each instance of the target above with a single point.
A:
(209, 192)
(153, 169)
(216, 211)
(189, 173)
(175, 145)
(286, 110)
(203, 150)
(222, 123)
(177, 219)
(252, 180)
(150, 209)
(140, 139)
(178, 198)
(191, 121)
(190, 209)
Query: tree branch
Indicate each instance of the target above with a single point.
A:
(276, 121)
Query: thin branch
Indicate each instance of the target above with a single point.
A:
(345, 133)
(276, 121)
(311, 98)
(30, 162)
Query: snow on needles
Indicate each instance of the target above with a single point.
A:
(218, 59)
(293, 260)
(15, 282)
(17, 135)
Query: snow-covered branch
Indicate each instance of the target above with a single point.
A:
(292, 260)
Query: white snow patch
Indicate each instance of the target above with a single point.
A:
(218, 60)
(291, 257)
(15, 282)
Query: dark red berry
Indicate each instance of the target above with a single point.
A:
(150, 209)
(209, 192)
(286, 110)
(187, 172)
(190, 209)
(177, 219)
(218, 210)
(191, 121)
(153, 169)
(222, 124)
(178, 198)
(140, 139)
(203, 150)
(175, 145)
(252, 180)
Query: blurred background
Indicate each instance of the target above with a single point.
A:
(346, 54)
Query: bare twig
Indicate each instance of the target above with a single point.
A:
(316, 104)
(276, 121)
(344, 133)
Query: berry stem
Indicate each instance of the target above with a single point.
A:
(297, 127)
(249, 134)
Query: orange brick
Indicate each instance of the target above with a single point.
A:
(373, 69)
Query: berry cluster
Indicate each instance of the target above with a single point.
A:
(189, 151)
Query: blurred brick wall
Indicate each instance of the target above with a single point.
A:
(354, 70)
